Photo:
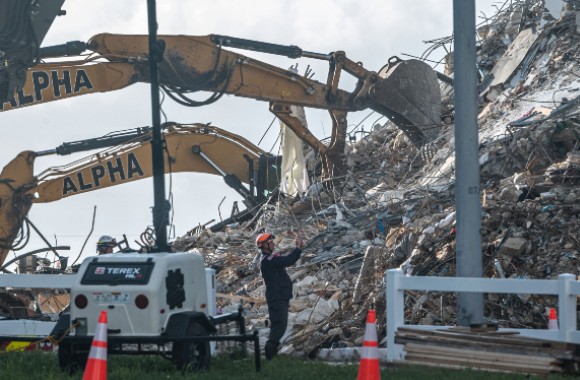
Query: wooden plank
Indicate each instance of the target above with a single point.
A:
(492, 359)
(523, 341)
(500, 357)
(484, 346)
(492, 336)
(415, 362)
(465, 330)
(474, 337)
(515, 337)
(482, 363)
(487, 354)
(451, 341)
(442, 361)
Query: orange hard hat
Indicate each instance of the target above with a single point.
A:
(262, 238)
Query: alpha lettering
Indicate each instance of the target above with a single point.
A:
(98, 172)
(117, 170)
(41, 81)
(83, 186)
(63, 83)
(133, 166)
(82, 81)
(58, 82)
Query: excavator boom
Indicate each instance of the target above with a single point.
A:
(407, 92)
(189, 148)
(132, 161)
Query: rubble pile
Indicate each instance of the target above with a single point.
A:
(396, 206)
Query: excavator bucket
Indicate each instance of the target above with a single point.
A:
(409, 95)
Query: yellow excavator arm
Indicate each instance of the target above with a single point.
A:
(188, 148)
(407, 92)
(198, 148)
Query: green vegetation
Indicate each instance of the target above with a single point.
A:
(38, 365)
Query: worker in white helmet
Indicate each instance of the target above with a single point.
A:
(105, 244)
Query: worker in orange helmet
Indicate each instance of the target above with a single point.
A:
(278, 287)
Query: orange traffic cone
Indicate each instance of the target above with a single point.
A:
(96, 368)
(553, 320)
(369, 359)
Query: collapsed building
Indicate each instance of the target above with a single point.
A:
(395, 206)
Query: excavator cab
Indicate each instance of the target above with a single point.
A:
(24, 26)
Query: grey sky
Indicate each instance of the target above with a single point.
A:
(369, 31)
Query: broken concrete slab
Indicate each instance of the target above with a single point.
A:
(513, 247)
(507, 65)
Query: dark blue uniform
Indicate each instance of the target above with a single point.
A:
(278, 290)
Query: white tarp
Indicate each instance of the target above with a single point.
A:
(294, 178)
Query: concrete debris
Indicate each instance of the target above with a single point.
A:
(396, 206)
(513, 247)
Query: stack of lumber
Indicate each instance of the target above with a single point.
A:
(487, 350)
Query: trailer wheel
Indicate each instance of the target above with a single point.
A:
(192, 356)
(70, 360)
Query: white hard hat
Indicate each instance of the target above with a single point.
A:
(106, 241)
